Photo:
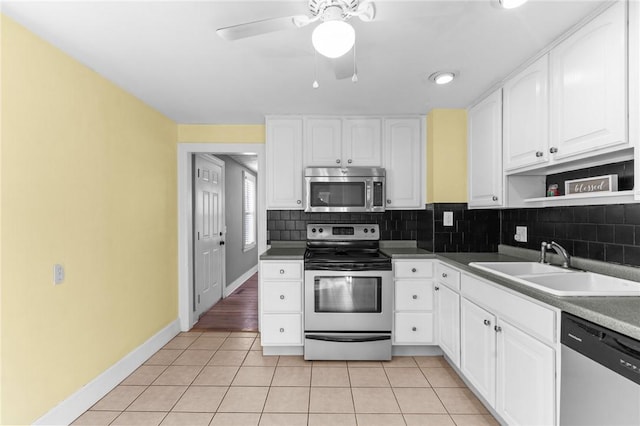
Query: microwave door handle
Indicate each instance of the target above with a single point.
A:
(369, 195)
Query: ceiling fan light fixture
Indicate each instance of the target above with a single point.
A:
(333, 38)
(511, 4)
(442, 77)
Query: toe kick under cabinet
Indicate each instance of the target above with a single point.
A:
(280, 303)
(414, 307)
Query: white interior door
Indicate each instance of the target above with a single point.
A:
(209, 229)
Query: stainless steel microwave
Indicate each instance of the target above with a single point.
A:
(353, 189)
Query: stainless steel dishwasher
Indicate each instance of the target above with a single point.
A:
(600, 379)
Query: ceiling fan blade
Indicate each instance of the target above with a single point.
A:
(264, 26)
(343, 66)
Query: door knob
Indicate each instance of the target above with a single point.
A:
(221, 243)
(415, 296)
(553, 150)
(487, 322)
(494, 198)
(338, 161)
(539, 154)
(436, 288)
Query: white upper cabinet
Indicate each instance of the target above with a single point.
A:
(342, 142)
(526, 116)
(403, 159)
(485, 152)
(362, 142)
(589, 88)
(284, 163)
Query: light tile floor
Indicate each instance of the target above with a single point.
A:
(221, 378)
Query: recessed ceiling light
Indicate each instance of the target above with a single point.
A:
(511, 4)
(442, 77)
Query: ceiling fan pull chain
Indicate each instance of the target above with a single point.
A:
(315, 84)
(355, 68)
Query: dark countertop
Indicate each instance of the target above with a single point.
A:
(621, 314)
(293, 250)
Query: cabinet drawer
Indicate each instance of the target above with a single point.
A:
(448, 276)
(281, 270)
(281, 329)
(412, 269)
(414, 295)
(528, 316)
(282, 297)
(413, 328)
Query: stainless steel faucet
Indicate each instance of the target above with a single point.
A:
(558, 249)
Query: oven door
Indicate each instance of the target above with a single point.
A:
(348, 301)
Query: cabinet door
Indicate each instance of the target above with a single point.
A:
(403, 161)
(588, 87)
(485, 152)
(322, 142)
(361, 142)
(448, 304)
(525, 378)
(478, 348)
(284, 163)
(526, 116)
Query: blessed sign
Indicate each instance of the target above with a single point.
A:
(606, 183)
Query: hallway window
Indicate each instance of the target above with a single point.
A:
(248, 211)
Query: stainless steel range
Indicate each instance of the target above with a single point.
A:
(348, 293)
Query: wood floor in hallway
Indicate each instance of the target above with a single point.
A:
(236, 312)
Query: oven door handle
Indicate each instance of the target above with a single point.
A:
(347, 339)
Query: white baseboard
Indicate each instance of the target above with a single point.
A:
(79, 402)
(239, 281)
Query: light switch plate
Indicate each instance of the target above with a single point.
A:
(521, 234)
(447, 219)
(58, 274)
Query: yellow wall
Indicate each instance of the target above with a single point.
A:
(447, 156)
(88, 180)
(245, 133)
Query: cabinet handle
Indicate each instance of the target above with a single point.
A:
(414, 329)
(487, 322)
(282, 297)
(553, 150)
(338, 161)
(494, 198)
(388, 201)
(298, 201)
(436, 288)
(415, 296)
(281, 271)
(444, 275)
(497, 328)
(349, 161)
(413, 270)
(282, 330)
(539, 154)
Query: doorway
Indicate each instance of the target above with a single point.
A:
(186, 313)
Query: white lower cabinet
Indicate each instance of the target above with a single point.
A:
(447, 302)
(414, 305)
(509, 367)
(281, 303)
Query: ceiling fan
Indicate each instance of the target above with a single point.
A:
(332, 38)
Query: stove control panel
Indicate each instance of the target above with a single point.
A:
(343, 232)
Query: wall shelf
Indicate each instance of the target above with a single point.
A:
(593, 198)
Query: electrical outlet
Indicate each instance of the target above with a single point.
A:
(521, 234)
(58, 274)
(447, 219)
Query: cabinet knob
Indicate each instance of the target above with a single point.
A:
(282, 330)
(338, 161)
(436, 288)
(539, 154)
(388, 201)
(414, 329)
(298, 201)
(487, 322)
(281, 271)
(413, 270)
(282, 297)
(553, 149)
(494, 198)
(497, 328)
(415, 296)
(444, 275)
(349, 161)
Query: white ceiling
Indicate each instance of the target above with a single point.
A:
(168, 54)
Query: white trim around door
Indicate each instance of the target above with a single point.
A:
(185, 247)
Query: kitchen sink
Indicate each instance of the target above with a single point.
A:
(560, 281)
